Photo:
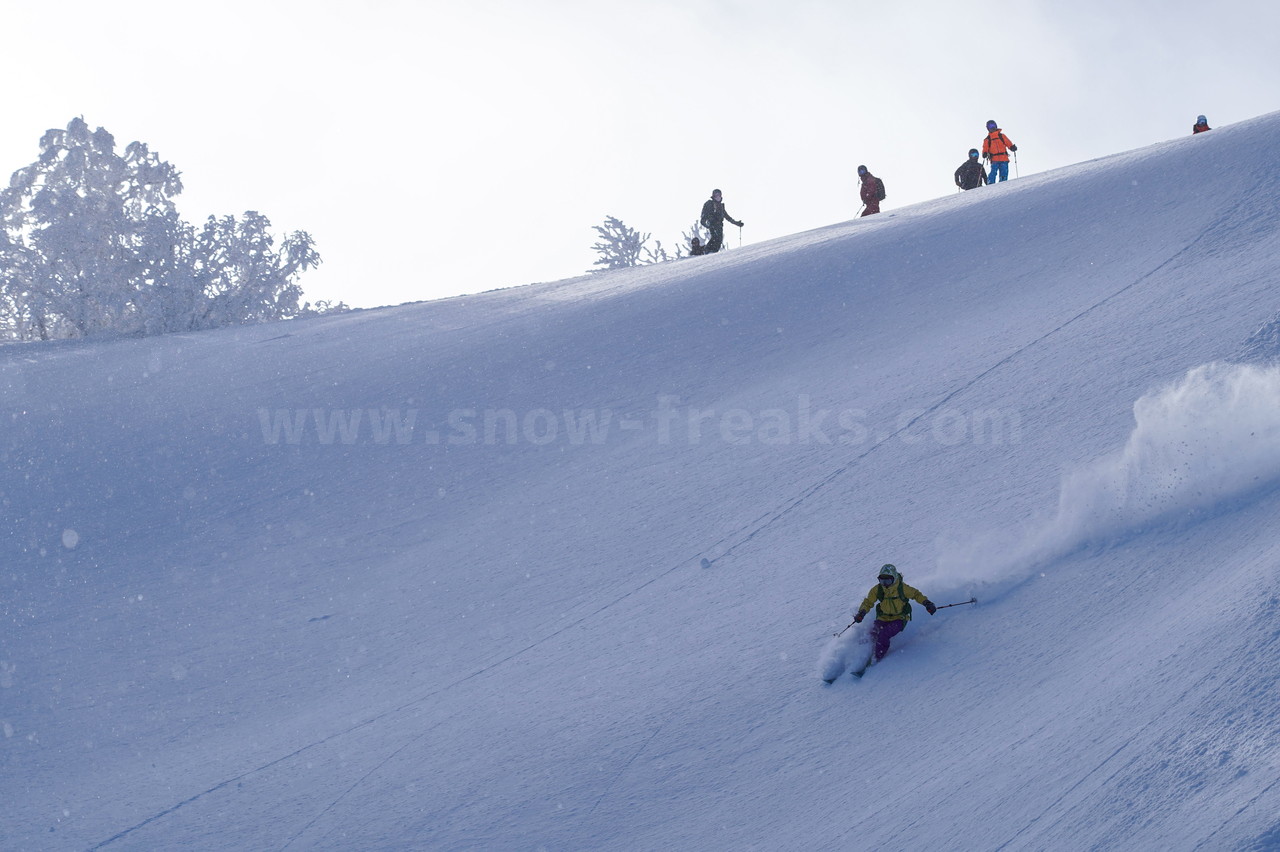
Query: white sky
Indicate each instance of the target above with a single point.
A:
(436, 148)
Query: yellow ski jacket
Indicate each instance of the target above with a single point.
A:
(895, 605)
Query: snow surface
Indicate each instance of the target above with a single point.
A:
(433, 577)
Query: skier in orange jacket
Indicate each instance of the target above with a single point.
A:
(996, 148)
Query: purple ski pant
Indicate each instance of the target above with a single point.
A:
(882, 632)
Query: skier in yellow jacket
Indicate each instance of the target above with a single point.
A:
(892, 599)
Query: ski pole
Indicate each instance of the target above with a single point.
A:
(860, 209)
(944, 606)
(1015, 165)
(841, 633)
(739, 236)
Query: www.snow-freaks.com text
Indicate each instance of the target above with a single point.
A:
(668, 422)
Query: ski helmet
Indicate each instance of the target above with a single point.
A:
(1200, 119)
(991, 125)
(891, 572)
(973, 152)
(862, 170)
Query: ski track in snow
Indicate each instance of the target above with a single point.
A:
(604, 794)
(385, 716)
(366, 776)
(1062, 797)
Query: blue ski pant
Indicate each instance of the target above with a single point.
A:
(1001, 169)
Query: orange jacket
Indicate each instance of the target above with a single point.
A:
(997, 146)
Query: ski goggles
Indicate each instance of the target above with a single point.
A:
(886, 581)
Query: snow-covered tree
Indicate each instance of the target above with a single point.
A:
(91, 242)
(15, 310)
(230, 272)
(620, 247)
(321, 307)
(83, 227)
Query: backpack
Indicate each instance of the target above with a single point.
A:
(880, 196)
(989, 150)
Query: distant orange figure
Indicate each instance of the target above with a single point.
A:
(996, 148)
(1201, 125)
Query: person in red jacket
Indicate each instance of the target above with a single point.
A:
(872, 191)
(996, 148)
(1201, 125)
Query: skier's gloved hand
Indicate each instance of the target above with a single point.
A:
(857, 619)
(929, 607)
(1013, 148)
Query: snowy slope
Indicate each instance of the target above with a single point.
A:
(242, 610)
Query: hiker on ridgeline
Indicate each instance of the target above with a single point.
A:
(996, 148)
(872, 191)
(1201, 125)
(713, 219)
(970, 174)
(892, 600)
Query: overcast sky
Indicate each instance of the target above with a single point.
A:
(436, 148)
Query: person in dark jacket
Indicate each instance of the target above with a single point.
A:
(892, 599)
(1201, 125)
(996, 148)
(872, 191)
(970, 174)
(713, 219)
